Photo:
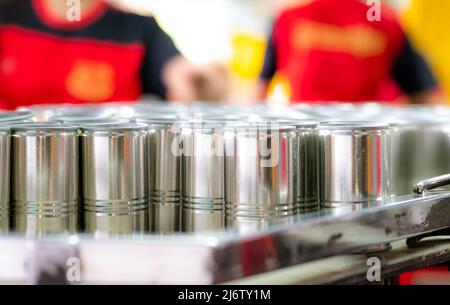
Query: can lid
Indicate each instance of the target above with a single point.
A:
(86, 120)
(293, 122)
(225, 117)
(105, 127)
(15, 116)
(27, 127)
(202, 124)
(158, 121)
(260, 126)
(353, 126)
(67, 118)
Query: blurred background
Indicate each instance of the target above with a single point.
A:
(232, 35)
(228, 40)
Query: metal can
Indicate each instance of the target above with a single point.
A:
(114, 178)
(420, 147)
(164, 186)
(425, 144)
(307, 164)
(5, 148)
(203, 179)
(261, 166)
(354, 163)
(44, 178)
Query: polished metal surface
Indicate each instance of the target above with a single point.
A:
(203, 177)
(44, 164)
(164, 186)
(411, 160)
(307, 164)
(114, 178)
(335, 231)
(8, 117)
(425, 186)
(432, 148)
(222, 256)
(85, 120)
(420, 146)
(353, 176)
(354, 163)
(260, 171)
(5, 148)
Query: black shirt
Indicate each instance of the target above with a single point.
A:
(114, 55)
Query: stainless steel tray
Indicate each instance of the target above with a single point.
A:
(217, 257)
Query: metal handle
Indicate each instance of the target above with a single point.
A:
(424, 186)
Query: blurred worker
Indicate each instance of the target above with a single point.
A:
(48, 55)
(329, 50)
(428, 24)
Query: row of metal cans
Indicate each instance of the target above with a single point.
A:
(165, 168)
(155, 174)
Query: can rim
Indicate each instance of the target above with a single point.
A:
(294, 122)
(159, 122)
(244, 128)
(200, 125)
(27, 127)
(353, 126)
(114, 127)
(85, 122)
(69, 119)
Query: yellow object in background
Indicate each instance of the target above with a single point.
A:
(247, 62)
(248, 54)
(428, 24)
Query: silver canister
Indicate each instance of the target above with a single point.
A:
(354, 163)
(5, 148)
(429, 143)
(420, 148)
(45, 176)
(307, 164)
(202, 176)
(114, 178)
(260, 170)
(164, 186)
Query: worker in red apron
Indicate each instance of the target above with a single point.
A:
(332, 50)
(48, 54)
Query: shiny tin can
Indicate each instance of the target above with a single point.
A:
(202, 176)
(45, 176)
(307, 162)
(354, 163)
(114, 178)
(307, 165)
(260, 170)
(164, 186)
